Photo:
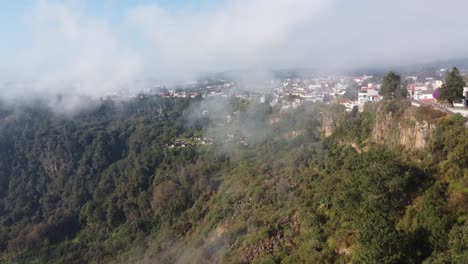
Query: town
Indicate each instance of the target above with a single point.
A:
(290, 93)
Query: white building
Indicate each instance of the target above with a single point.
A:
(370, 95)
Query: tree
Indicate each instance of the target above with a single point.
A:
(168, 198)
(352, 91)
(458, 243)
(432, 219)
(452, 89)
(379, 241)
(392, 86)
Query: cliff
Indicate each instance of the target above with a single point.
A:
(328, 125)
(399, 124)
(394, 123)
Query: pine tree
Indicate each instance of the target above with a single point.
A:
(392, 86)
(452, 89)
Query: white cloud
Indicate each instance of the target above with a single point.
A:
(69, 44)
(239, 34)
(281, 33)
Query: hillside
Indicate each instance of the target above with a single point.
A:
(159, 180)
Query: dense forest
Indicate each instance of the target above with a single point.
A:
(161, 180)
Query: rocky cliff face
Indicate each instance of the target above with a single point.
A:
(411, 127)
(417, 136)
(395, 124)
(405, 130)
(327, 125)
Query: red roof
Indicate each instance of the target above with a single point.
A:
(344, 101)
(432, 100)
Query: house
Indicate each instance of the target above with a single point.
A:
(368, 95)
(344, 101)
(297, 103)
(424, 95)
(347, 103)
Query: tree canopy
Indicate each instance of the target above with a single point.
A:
(352, 91)
(130, 183)
(392, 86)
(452, 89)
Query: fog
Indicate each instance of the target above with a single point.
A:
(73, 51)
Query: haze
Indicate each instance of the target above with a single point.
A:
(50, 44)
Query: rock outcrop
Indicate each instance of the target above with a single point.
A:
(411, 127)
(396, 123)
(329, 124)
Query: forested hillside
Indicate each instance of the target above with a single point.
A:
(158, 180)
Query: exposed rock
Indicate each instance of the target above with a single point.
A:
(328, 125)
(53, 164)
(405, 130)
(276, 239)
(219, 231)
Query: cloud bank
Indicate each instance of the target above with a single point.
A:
(72, 51)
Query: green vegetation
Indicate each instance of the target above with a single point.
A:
(392, 86)
(352, 91)
(452, 89)
(355, 126)
(108, 187)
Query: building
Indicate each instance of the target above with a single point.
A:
(370, 95)
(367, 95)
(425, 96)
(347, 104)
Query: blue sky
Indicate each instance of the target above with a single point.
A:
(14, 33)
(11, 26)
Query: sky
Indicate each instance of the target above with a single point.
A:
(14, 16)
(106, 43)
